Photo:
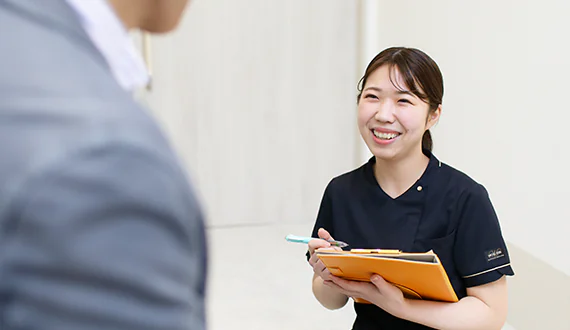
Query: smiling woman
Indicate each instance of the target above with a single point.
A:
(404, 198)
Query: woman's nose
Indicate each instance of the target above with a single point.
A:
(385, 112)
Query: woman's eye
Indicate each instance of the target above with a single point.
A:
(404, 101)
(370, 96)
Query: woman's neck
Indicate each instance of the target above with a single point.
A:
(395, 177)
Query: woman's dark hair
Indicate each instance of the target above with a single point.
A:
(419, 73)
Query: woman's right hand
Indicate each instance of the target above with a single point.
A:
(321, 244)
(328, 296)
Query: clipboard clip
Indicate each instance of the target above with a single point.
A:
(377, 251)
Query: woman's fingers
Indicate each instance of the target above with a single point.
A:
(326, 274)
(313, 260)
(324, 234)
(316, 243)
(318, 267)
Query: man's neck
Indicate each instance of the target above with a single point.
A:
(395, 177)
(129, 12)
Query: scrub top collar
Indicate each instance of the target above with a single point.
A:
(420, 185)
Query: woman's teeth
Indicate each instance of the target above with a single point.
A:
(385, 136)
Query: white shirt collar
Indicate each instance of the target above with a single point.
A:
(109, 35)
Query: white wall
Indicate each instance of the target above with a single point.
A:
(259, 98)
(505, 119)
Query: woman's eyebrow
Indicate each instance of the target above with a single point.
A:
(399, 92)
(379, 90)
(405, 93)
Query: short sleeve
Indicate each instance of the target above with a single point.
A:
(324, 216)
(481, 255)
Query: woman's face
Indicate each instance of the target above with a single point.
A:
(392, 122)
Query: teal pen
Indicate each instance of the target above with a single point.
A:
(301, 239)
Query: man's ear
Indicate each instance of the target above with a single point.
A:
(433, 117)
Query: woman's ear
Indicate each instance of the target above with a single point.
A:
(433, 117)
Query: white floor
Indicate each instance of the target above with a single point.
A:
(257, 280)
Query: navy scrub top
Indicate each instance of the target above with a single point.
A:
(445, 211)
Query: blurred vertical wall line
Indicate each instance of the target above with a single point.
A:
(369, 37)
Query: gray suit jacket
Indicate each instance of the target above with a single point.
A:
(99, 228)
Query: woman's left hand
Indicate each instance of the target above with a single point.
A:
(381, 293)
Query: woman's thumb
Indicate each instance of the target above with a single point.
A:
(324, 234)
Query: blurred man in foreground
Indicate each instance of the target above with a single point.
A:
(99, 228)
